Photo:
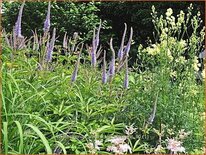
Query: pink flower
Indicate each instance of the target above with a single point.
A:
(118, 145)
(120, 149)
(112, 149)
(175, 146)
(117, 140)
(125, 148)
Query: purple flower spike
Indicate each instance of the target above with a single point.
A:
(127, 49)
(95, 44)
(126, 78)
(65, 40)
(50, 47)
(93, 52)
(97, 36)
(47, 21)
(112, 63)
(120, 52)
(74, 74)
(18, 22)
(75, 37)
(104, 74)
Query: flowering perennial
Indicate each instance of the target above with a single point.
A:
(47, 21)
(175, 146)
(74, 74)
(104, 72)
(93, 147)
(130, 130)
(112, 62)
(127, 49)
(18, 22)
(126, 78)
(95, 44)
(50, 47)
(118, 145)
(120, 52)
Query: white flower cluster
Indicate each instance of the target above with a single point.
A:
(159, 149)
(170, 18)
(180, 19)
(118, 145)
(196, 65)
(181, 60)
(169, 55)
(169, 12)
(154, 50)
(183, 134)
(173, 74)
(130, 130)
(93, 147)
(182, 43)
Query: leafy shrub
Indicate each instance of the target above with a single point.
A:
(65, 17)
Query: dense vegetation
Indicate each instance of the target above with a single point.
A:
(82, 17)
(62, 96)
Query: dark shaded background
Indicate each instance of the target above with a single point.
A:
(82, 17)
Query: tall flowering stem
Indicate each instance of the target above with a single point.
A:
(152, 115)
(124, 51)
(112, 63)
(12, 41)
(97, 36)
(75, 37)
(74, 74)
(104, 72)
(50, 47)
(126, 78)
(65, 44)
(93, 52)
(65, 40)
(120, 52)
(95, 44)
(127, 49)
(36, 43)
(6, 38)
(47, 22)
(17, 30)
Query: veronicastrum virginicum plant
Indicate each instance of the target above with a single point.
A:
(15, 40)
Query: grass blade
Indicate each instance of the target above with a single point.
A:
(21, 144)
(62, 147)
(43, 138)
(5, 133)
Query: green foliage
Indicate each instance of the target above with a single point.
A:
(65, 17)
(44, 112)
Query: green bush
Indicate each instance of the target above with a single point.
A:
(65, 17)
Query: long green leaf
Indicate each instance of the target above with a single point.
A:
(62, 147)
(5, 133)
(21, 143)
(43, 138)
